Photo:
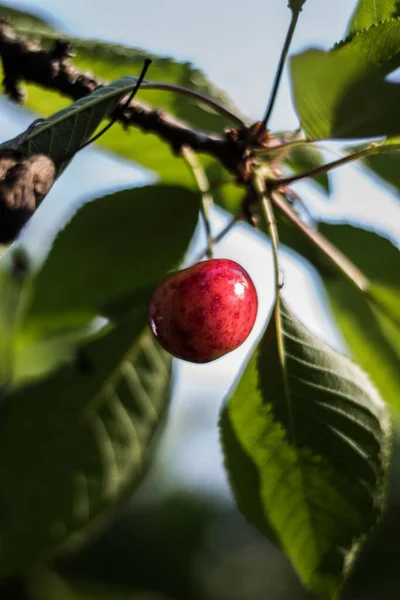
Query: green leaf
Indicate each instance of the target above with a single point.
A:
(244, 479)
(305, 158)
(371, 12)
(46, 585)
(330, 88)
(66, 131)
(24, 19)
(317, 432)
(113, 247)
(371, 333)
(386, 166)
(75, 445)
(377, 258)
(387, 300)
(364, 330)
(370, 323)
(108, 61)
(372, 253)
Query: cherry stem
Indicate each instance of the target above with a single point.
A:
(274, 184)
(261, 193)
(218, 108)
(281, 65)
(266, 206)
(219, 237)
(207, 202)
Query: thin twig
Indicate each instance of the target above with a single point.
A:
(218, 108)
(219, 237)
(268, 212)
(266, 207)
(27, 61)
(207, 202)
(114, 119)
(281, 65)
(274, 184)
(150, 85)
(282, 147)
(339, 260)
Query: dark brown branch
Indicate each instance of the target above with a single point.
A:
(26, 61)
(23, 183)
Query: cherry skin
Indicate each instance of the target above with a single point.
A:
(205, 311)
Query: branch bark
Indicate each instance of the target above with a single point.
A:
(26, 61)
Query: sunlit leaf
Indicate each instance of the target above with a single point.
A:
(366, 333)
(344, 93)
(316, 431)
(386, 167)
(367, 323)
(304, 158)
(371, 12)
(24, 19)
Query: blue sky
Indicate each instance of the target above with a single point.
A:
(237, 44)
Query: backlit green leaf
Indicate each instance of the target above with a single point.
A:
(371, 12)
(386, 166)
(344, 93)
(368, 324)
(306, 157)
(24, 19)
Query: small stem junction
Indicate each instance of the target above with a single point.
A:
(206, 198)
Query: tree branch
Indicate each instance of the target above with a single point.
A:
(333, 254)
(26, 61)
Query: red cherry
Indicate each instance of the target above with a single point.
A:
(205, 311)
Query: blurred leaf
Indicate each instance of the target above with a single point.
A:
(244, 479)
(64, 132)
(22, 358)
(330, 88)
(365, 334)
(109, 61)
(49, 586)
(74, 445)
(229, 196)
(304, 158)
(24, 19)
(113, 247)
(317, 432)
(371, 12)
(372, 253)
(370, 333)
(386, 166)
(377, 258)
(387, 300)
